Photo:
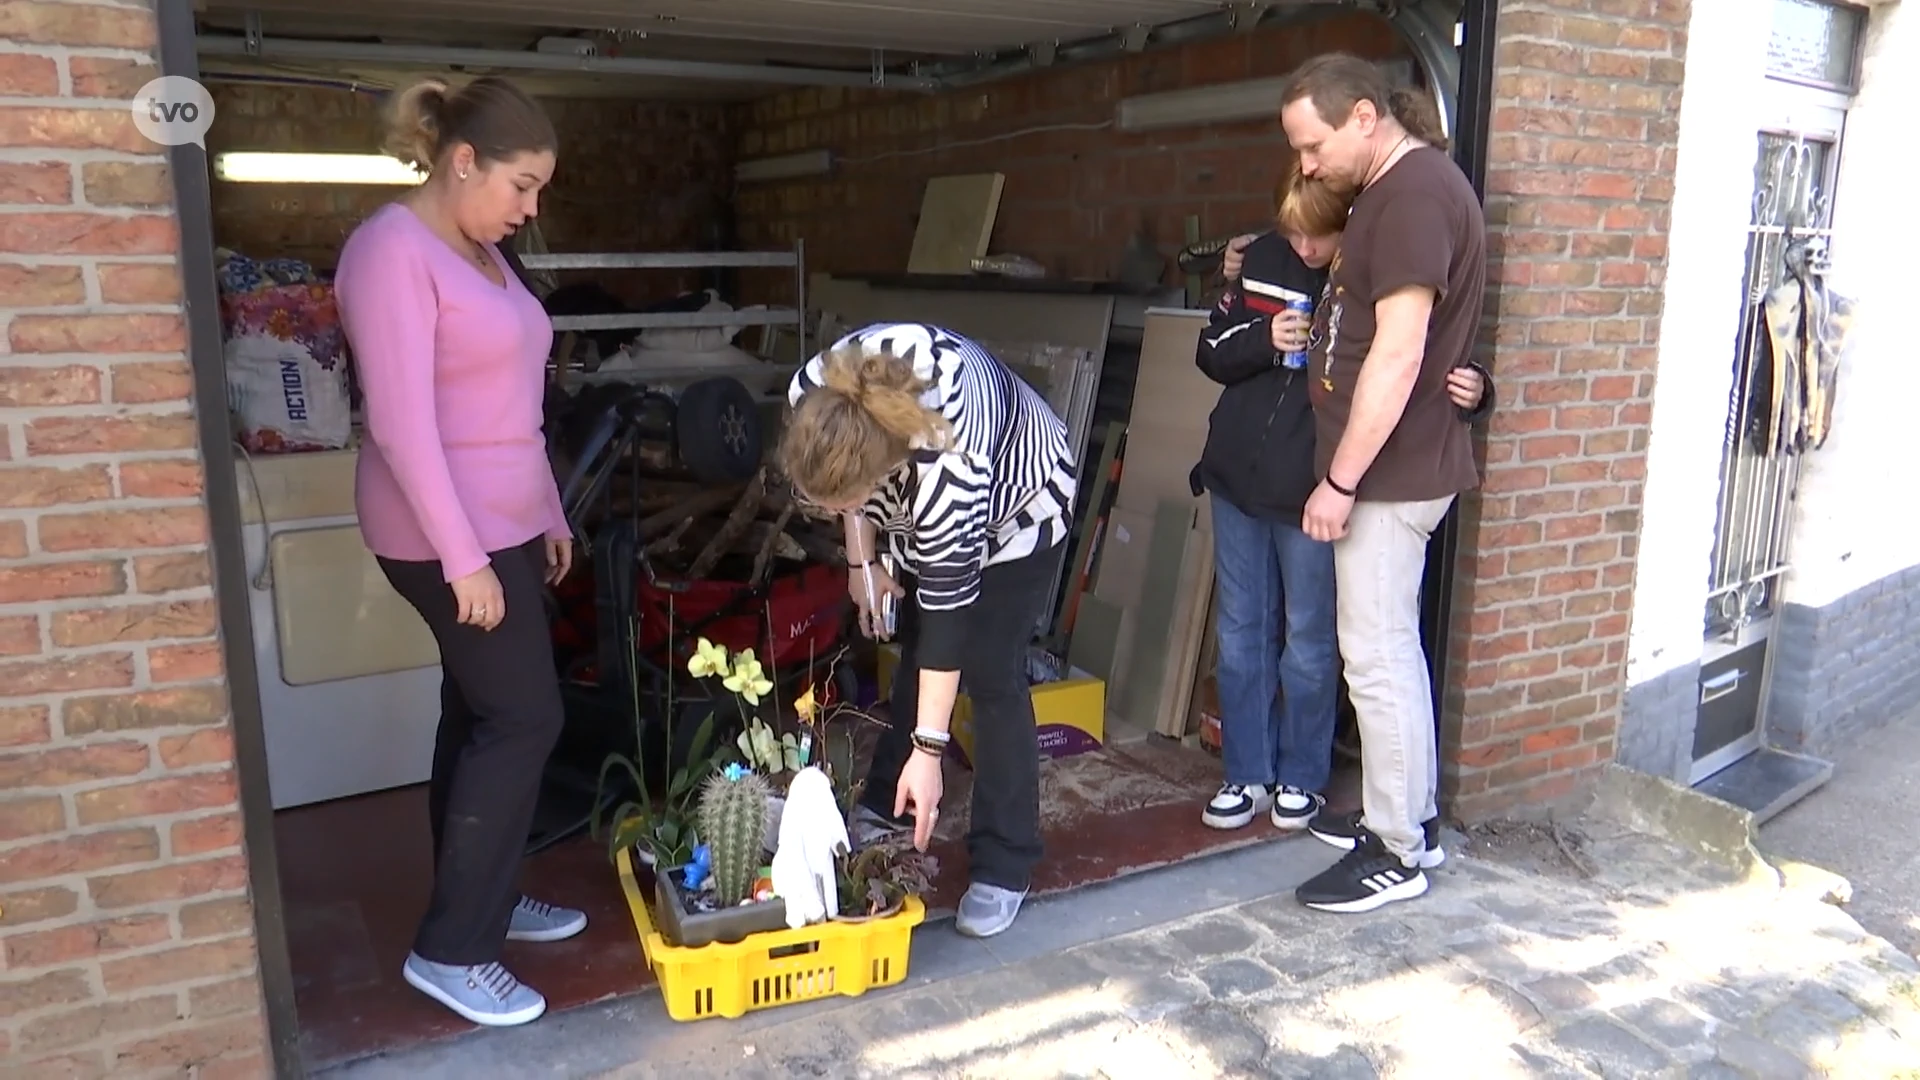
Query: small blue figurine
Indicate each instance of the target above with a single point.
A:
(695, 873)
(734, 771)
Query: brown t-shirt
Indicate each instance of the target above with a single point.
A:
(1420, 224)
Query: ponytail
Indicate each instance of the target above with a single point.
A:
(863, 422)
(1416, 112)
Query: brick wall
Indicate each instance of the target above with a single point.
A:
(126, 938)
(632, 176)
(1580, 176)
(1073, 198)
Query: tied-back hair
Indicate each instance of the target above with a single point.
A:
(1306, 206)
(1336, 82)
(499, 120)
(861, 424)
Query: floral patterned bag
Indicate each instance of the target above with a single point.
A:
(286, 369)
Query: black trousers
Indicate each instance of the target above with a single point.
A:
(1003, 841)
(500, 715)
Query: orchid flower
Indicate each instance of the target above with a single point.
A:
(747, 679)
(708, 659)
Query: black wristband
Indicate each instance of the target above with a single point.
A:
(862, 565)
(928, 746)
(1335, 485)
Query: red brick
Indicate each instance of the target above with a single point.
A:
(216, 918)
(64, 128)
(208, 746)
(179, 478)
(13, 534)
(27, 22)
(65, 674)
(78, 855)
(174, 707)
(121, 183)
(42, 183)
(25, 725)
(173, 881)
(146, 383)
(225, 999)
(85, 233)
(205, 835)
(185, 663)
(24, 386)
(84, 627)
(28, 486)
(172, 573)
(41, 992)
(28, 75)
(34, 815)
(140, 283)
(19, 635)
(155, 798)
(97, 1023)
(108, 530)
(215, 1049)
(86, 941)
(97, 333)
(109, 77)
(111, 434)
(28, 906)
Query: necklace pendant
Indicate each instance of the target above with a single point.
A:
(1327, 385)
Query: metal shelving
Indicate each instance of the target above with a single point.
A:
(685, 260)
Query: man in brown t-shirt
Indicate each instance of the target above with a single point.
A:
(1401, 310)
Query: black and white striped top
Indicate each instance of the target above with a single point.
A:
(1002, 489)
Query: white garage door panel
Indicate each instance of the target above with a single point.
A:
(335, 614)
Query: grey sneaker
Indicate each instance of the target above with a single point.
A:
(987, 910)
(869, 827)
(535, 921)
(484, 993)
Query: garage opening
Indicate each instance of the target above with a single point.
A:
(1051, 178)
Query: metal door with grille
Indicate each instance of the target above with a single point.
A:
(1811, 57)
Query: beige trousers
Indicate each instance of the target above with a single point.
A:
(1378, 568)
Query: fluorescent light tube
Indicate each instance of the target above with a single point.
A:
(1222, 103)
(267, 167)
(790, 167)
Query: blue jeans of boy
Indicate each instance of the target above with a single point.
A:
(1274, 618)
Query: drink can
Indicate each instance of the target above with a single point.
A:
(1296, 361)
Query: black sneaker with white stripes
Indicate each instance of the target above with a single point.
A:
(1236, 805)
(1366, 878)
(1294, 807)
(1345, 830)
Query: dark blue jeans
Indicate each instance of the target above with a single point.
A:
(1264, 570)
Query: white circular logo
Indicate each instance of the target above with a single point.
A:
(174, 110)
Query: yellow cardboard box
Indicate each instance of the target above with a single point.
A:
(1071, 713)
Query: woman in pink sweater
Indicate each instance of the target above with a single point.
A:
(457, 500)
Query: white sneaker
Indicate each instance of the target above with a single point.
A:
(1294, 808)
(1236, 805)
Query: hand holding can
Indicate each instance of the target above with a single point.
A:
(1291, 328)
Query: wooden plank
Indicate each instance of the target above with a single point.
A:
(1155, 637)
(1188, 640)
(1096, 638)
(1166, 436)
(956, 223)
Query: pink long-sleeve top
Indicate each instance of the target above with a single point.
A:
(451, 367)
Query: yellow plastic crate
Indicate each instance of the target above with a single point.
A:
(779, 967)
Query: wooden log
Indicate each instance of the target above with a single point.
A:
(690, 508)
(737, 521)
(779, 533)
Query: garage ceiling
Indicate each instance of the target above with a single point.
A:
(922, 27)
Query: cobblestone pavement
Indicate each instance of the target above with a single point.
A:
(1538, 953)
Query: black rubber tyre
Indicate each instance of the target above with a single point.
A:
(719, 430)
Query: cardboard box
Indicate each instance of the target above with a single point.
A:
(1071, 712)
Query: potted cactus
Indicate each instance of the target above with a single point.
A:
(712, 898)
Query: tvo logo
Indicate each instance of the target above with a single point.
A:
(174, 110)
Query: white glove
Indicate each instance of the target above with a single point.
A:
(812, 834)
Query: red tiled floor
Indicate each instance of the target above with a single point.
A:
(355, 877)
(354, 874)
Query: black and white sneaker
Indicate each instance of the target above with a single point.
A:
(1365, 878)
(1293, 808)
(1346, 830)
(1237, 805)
